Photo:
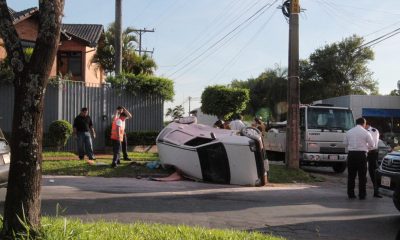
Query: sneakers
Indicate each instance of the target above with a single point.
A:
(114, 165)
(127, 159)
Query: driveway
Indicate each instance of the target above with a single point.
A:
(296, 211)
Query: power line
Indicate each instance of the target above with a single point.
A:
(382, 38)
(231, 62)
(215, 35)
(256, 14)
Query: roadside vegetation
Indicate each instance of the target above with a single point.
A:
(281, 174)
(71, 229)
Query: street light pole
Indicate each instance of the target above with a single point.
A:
(293, 92)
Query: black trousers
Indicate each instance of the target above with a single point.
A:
(372, 158)
(357, 164)
(116, 151)
(125, 147)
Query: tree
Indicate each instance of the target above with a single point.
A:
(337, 69)
(131, 61)
(30, 82)
(394, 92)
(223, 101)
(267, 93)
(176, 112)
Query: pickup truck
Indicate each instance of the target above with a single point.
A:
(388, 177)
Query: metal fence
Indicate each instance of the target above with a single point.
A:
(64, 101)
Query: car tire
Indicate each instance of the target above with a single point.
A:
(339, 167)
(396, 199)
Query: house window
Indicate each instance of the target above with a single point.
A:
(70, 63)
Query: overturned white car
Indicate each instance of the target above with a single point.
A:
(213, 155)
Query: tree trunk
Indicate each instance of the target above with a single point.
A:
(30, 82)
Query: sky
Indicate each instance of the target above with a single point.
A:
(198, 43)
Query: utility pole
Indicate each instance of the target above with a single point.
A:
(190, 99)
(293, 92)
(118, 37)
(140, 33)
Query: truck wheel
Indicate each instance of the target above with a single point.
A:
(339, 167)
(396, 199)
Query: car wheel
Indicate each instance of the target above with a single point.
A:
(251, 132)
(339, 167)
(396, 199)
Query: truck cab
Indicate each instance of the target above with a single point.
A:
(322, 130)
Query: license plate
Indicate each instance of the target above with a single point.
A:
(333, 157)
(385, 181)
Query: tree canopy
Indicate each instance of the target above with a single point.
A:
(267, 93)
(131, 61)
(337, 69)
(223, 101)
(144, 84)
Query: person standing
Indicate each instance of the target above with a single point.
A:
(83, 126)
(237, 123)
(117, 137)
(372, 157)
(124, 143)
(358, 141)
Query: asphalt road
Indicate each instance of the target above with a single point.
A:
(295, 211)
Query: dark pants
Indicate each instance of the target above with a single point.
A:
(116, 151)
(85, 145)
(357, 164)
(125, 147)
(372, 165)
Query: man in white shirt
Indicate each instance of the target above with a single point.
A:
(359, 142)
(237, 123)
(372, 157)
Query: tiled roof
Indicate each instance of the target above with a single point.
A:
(19, 16)
(90, 33)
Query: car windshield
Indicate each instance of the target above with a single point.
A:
(329, 118)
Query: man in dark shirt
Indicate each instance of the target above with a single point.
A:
(83, 125)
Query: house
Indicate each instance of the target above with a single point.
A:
(78, 43)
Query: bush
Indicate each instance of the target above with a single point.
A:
(59, 133)
(135, 138)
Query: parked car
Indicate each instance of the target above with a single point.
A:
(214, 155)
(388, 177)
(5, 153)
(383, 150)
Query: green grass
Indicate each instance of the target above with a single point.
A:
(58, 154)
(280, 174)
(71, 229)
(101, 169)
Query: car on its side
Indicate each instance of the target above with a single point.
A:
(5, 154)
(388, 177)
(213, 155)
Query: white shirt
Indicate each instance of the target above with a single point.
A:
(358, 139)
(375, 136)
(236, 125)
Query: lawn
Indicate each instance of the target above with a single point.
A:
(71, 229)
(137, 169)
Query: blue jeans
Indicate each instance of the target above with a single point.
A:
(85, 145)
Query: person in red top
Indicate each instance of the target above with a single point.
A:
(117, 137)
(124, 143)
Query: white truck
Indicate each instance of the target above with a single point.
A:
(322, 130)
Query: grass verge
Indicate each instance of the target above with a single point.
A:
(71, 229)
(101, 169)
(280, 174)
(58, 154)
